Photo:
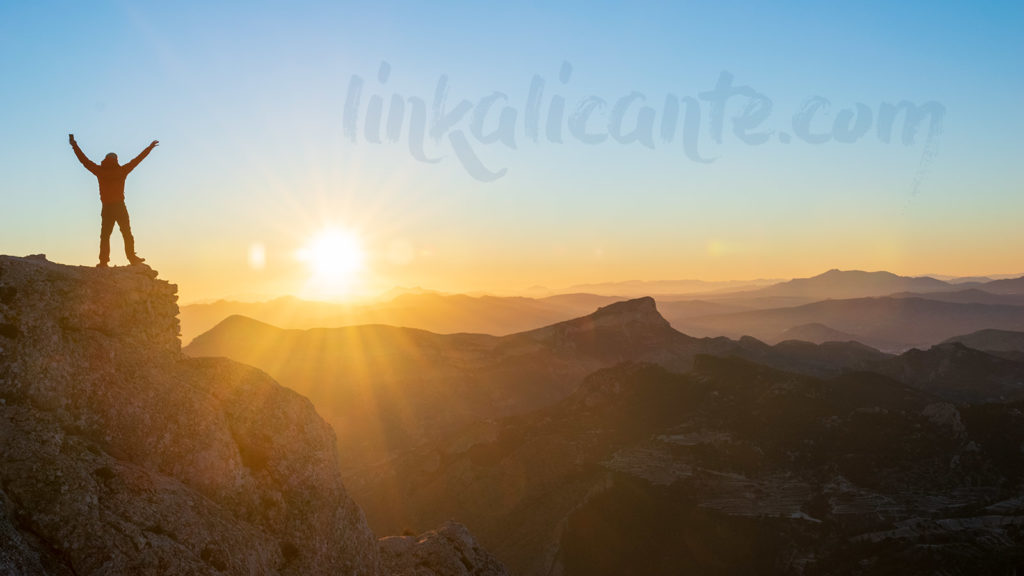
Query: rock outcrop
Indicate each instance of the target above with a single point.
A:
(120, 456)
(448, 551)
(117, 456)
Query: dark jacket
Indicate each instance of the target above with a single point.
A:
(111, 176)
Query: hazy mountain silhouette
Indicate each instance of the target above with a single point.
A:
(964, 279)
(958, 373)
(825, 359)
(992, 340)
(969, 296)
(886, 323)
(817, 333)
(441, 313)
(845, 284)
(664, 288)
(1005, 286)
(679, 312)
(454, 313)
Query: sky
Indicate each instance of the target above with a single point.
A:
(468, 146)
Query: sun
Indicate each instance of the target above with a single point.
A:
(335, 258)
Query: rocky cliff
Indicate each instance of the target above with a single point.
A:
(119, 456)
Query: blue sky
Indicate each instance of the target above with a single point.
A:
(247, 99)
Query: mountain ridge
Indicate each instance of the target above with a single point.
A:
(991, 340)
(885, 322)
(642, 417)
(502, 315)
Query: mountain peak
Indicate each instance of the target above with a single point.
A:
(638, 313)
(637, 309)
(837, 284)
(626, 330)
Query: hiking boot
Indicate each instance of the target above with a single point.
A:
(136, 260)
(102, 265)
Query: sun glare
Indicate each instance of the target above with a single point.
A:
(335, 258)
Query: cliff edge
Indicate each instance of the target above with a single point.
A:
(120, 456)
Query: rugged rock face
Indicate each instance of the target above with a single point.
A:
(119, 456)
(448, 551)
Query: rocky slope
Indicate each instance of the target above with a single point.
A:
(119, 456)
(958, 373)
(733, 468)
(387, 389)
(447, 551)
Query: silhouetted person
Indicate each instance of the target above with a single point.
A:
(111, 176)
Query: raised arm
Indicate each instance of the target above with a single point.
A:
(89, 164)
(142, 156)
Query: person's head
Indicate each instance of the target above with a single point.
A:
(109, 160)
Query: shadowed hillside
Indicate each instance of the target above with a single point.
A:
(732, 469)
(958, 373)
(992, 340)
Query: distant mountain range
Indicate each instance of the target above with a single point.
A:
(442, 382)
(441, 313)
(456, 313)
(1005, 286)
(992, 340)
(848, 284)
(358, 375)
(838, 284)
(893, 324)
(688, 447)
(969, 296)
(656, 288)
(817, 333)
(958, 373)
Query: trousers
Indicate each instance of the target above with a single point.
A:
(115, 213)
